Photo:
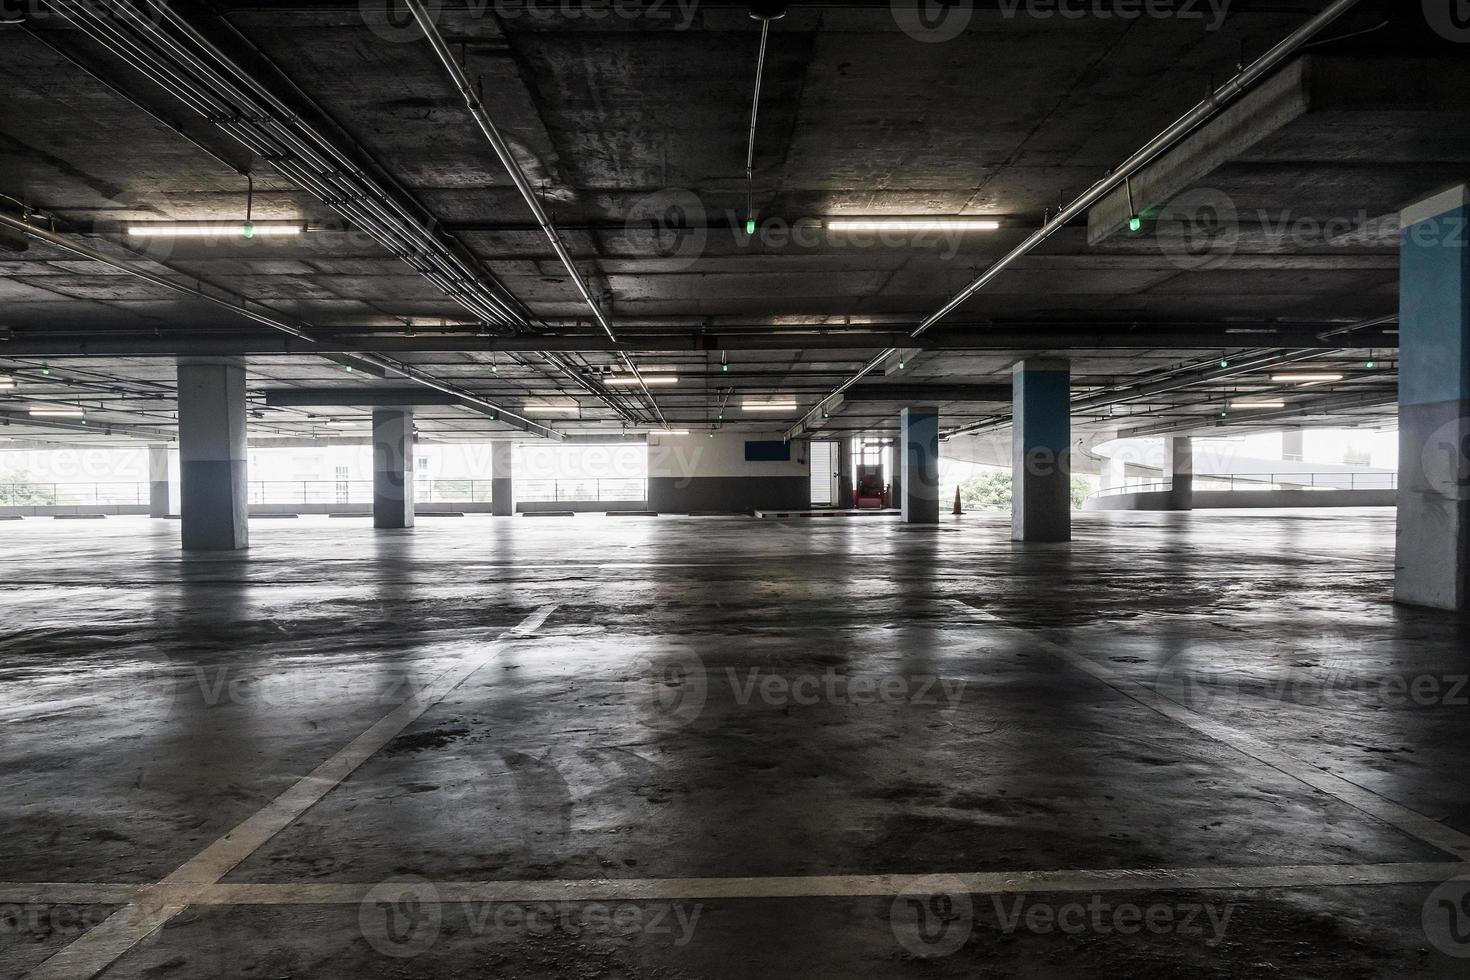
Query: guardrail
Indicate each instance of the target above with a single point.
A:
(26, 494)
(1267, 481)
(286, 492)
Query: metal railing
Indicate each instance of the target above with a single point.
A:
(287, 492)
(1298, 481)
(27, 494)
(573, 491)
(1266, 481)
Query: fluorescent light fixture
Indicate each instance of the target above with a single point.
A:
(216, 229)
(552, 409)
(648, 379)
(7, 384)
(786, 406)
(1258, 404)
(912, 224)
(669, 432)
(1306, 378)
(57, 411)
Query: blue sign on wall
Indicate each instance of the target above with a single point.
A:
(774, 451)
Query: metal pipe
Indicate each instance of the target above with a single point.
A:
(755, 107)
(261, 314)
(1181, 128)
(518, 177)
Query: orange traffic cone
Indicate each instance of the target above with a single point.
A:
(957, 508)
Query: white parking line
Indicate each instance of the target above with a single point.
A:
(812, 886)
(95, 949)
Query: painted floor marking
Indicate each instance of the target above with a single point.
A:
(808, 886)
(96, 949)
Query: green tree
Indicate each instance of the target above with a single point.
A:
(992, 491)
(17, 488)
(988, 491)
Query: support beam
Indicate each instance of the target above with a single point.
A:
(393, 468)
(213, 477)
(502, 478)
(159, 504)
(1434, 404)
(919, 431)
(1178, 471)
(1041, 461)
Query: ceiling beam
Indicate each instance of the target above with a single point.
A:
(34, 343)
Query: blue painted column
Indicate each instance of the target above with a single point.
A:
(919, 442)
(1434, 404)
(393, 468)
(1041, 459)
(213, 482)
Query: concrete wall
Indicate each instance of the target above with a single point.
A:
(1247, 499)
(699, 473)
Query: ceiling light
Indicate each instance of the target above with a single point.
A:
(669, 432)
(1135, 224)
(1306, 378)
(786, 406)
(658, 379)
(7, 384)
(1258, 404)
(235, 229)
(57, 411)
(912, 224)
(553, 409)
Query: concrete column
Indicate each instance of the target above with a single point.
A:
(158, 498)
(213, 480)
(1434, 404)
(393, 467)
(1041, 459)
(1179, 471)
(845, 483)
(919, 441)
(502, 483)
(895, 476)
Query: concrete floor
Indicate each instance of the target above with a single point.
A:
(682, 747)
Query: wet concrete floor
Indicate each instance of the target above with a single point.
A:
(1183, 746)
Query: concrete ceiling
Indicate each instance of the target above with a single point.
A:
(633, 130)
